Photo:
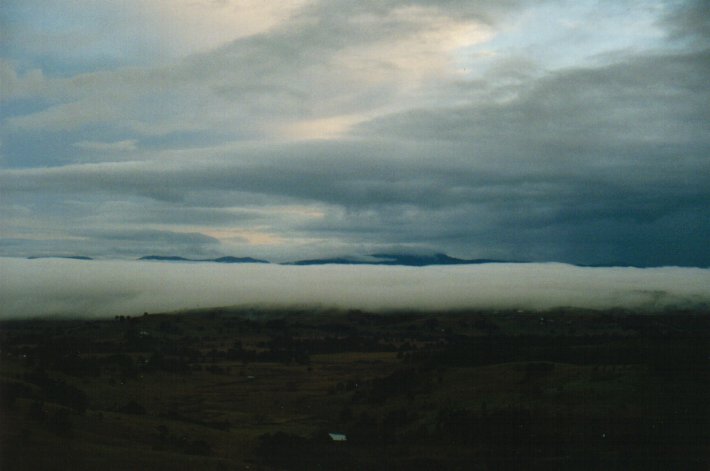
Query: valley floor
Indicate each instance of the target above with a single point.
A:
(231, 389)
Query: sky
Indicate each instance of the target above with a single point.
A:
(568, 131)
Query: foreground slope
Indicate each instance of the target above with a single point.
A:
(225, 389)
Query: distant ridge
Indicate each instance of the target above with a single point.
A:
(169, 258)
(382, 259)
(409, 260)
(615, 264)
(389, 259)
(71, 257)
(175, 258)
(236, 260)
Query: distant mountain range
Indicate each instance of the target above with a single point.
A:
(391, 259)
(409, 260)
(386, 259)
(174, 258)
(72, 257)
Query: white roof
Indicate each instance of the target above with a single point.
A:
(338, 437)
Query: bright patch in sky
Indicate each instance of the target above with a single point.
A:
(580, 33)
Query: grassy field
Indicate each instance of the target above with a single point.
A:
(233, 389)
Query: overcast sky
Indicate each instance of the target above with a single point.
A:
(573, 131)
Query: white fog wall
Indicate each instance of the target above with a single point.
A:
(58, 287)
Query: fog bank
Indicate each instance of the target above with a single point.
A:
(57, 287)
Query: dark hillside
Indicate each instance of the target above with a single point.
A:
(224, 389)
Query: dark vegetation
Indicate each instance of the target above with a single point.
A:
(225, 389)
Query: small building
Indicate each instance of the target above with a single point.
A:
(338, 437)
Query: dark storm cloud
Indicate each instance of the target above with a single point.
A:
(690, 20)
(657, 99)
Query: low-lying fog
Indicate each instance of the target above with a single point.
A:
(58, 287)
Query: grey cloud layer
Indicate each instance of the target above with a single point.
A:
(613, 157)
